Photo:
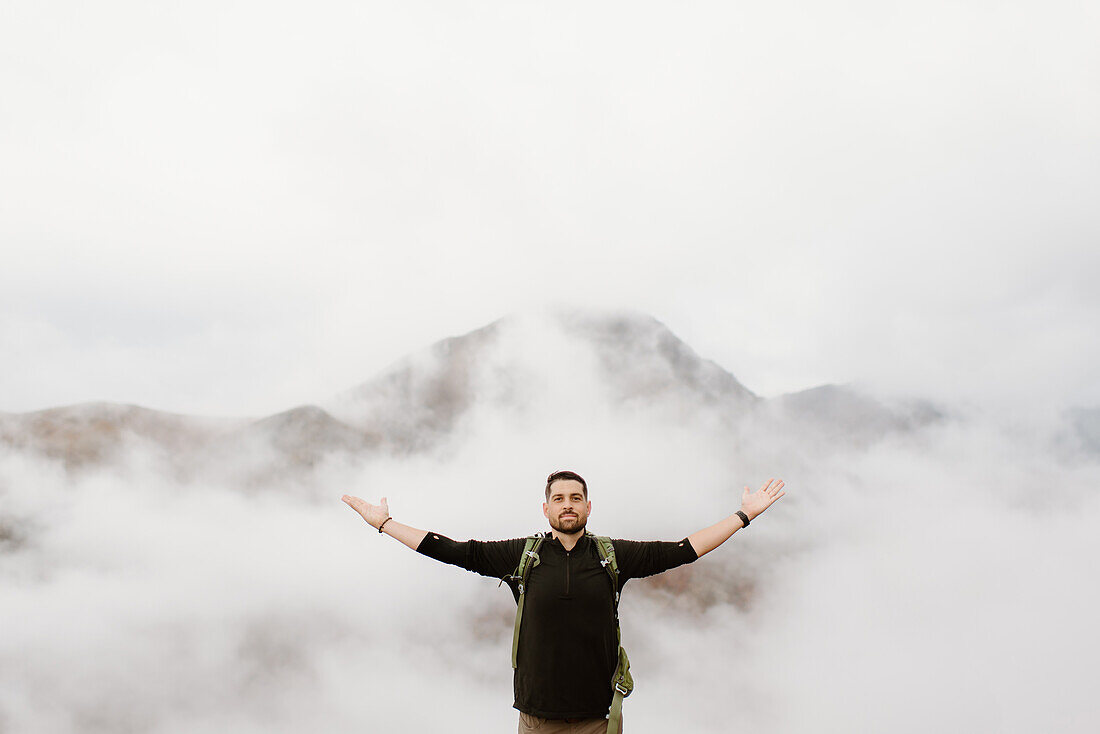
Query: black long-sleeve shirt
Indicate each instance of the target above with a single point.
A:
(568, 647)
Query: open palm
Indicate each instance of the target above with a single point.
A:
(373, 514)
(753, 503)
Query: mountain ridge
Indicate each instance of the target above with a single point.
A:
(562, 359)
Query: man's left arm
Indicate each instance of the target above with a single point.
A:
(752, 504)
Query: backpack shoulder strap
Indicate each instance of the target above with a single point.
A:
(622, 683)
(527, 561)
(606, 549)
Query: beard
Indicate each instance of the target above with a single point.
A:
(569, 525)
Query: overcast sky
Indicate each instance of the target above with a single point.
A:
(236, 207)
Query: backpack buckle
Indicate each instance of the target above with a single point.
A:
(621, 688)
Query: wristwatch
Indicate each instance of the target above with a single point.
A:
(744, 518)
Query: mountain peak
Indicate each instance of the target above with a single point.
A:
(561, 358)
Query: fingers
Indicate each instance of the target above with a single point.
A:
(768, 493)
(357, 504)
(775, 492)
(771, 487)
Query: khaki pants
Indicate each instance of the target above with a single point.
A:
(534, 725)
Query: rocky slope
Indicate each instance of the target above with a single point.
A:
(565, 360)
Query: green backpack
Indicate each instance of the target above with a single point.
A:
(621, 682)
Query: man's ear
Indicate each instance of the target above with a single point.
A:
(545, 510)
(589, 507)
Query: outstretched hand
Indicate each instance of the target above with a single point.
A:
(753, 503)
(373, 514)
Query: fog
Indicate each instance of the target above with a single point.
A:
(935, 578)
(230, 208)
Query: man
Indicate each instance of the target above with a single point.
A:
(568, 646)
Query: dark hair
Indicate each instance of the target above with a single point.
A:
(565, 474)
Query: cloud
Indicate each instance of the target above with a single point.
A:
(807, 195)
(943, 563)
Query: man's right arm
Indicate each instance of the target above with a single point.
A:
(376, 515)
(496, 558)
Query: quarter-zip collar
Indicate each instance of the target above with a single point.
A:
(578, 546)
(554, 535)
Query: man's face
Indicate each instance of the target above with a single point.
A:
(567, 509)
